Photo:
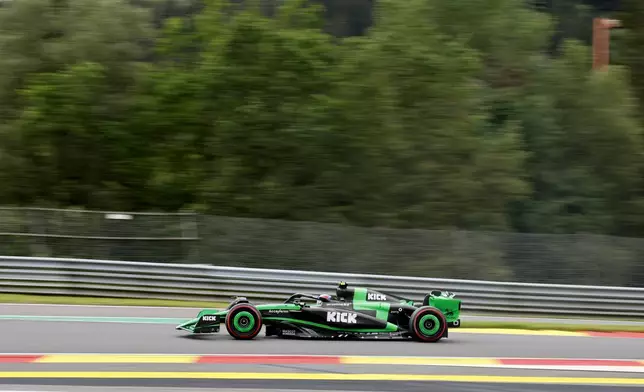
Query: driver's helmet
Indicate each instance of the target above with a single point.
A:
(324, 298)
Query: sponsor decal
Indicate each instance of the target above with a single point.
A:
(341, 317)
(376, 297)
(290, 332)
(209, 318)
(278, 311)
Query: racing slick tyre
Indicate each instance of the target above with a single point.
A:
(243, 321)
(427, 324)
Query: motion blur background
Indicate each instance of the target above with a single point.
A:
(471, 139)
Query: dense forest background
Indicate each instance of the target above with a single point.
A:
(346, 18)
(468, 114)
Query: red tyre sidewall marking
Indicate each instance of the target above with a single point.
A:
(250, 309)
(435, 313)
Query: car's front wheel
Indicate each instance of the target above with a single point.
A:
(243, 321)
(427, 324)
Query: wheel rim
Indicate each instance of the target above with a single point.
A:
(244, 321)
(429, 324)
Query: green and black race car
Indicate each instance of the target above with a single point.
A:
(351, 313)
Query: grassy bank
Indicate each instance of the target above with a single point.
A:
(553, 326)
(70, 300)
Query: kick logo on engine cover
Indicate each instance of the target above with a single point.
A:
(341, 317)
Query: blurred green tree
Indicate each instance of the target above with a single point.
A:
(585, 144)
(67, 72)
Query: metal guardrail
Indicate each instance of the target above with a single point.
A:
(80, 277)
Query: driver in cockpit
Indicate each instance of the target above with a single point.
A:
(324, 298)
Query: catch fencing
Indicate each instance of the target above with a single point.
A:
(106, 278)
(191, 238)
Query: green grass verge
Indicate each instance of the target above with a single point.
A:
(560, 316)
(552, 326)
(70, 300)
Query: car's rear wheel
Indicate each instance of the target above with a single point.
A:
(243, 321)
(427, 324)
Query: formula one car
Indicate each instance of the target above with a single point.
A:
(351, 313)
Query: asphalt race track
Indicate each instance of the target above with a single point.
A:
(467, 361)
